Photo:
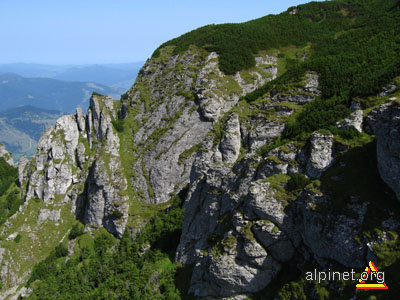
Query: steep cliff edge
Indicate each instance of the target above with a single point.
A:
(173, 104)
(249, 217)
(385, 123)
(78, 162)
(6, 155)
(75, 174)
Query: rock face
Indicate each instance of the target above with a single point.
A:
(47, 214)
(321, 154)
(355, 120)
(230, 144)
(385, 121)
(331, 237)
(300, 95)
(242, 224)
(6, 155)
(237, 229)
(65, 162)
(188, 92)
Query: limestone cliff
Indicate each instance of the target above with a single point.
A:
(77, 161)
(6, 155)
(75, 174)
(174, 103)
(385, 121)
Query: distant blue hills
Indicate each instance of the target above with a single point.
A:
(47, 93)
(120, 75)
(21, 128)
(33, 96)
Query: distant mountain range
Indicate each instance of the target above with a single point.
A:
(21, 128)
(33, 96)
(120, 76)
(48, 93)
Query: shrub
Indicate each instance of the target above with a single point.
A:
(76, 230)
(348, 133)
(318, 114)
(17, 239)
(116, 214)
(297, 182)
(125, 96)
(118, 125)
(61, 250)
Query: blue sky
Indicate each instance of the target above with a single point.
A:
(110, 31)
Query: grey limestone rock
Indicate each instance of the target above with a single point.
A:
(269, 168)
(50, 171)
(226, 275)
(331, 236)
(267, 64)
(22, 179)
(6, 155)
(385, 121)
(261, 133)
(275, 241)
(387, 90)
(48, 214)
(81, 121)
(262, 203)
(105, 205)
(230, 144)
(61, 164)
(211, 103)
(312, 83)
(177, 124)
(354, 120)
(321, 154)
(303, 94)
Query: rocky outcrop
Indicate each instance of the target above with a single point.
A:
(387, 90)
(242, 224)
(59, 171)
(321, 154)
(47, 214)
(385, 121)
(262, 132)
(230, 143)
(239, 226)
(6, 155)
(105, 205)
(235, 230)
(330, 236)
(188, 92)
(354, 120)
(302, 94)
(50, 171)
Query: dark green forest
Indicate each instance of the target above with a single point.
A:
(10, 195)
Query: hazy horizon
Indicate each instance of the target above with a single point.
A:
(73, 65)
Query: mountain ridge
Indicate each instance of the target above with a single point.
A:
(107, 74)
(16, 90)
